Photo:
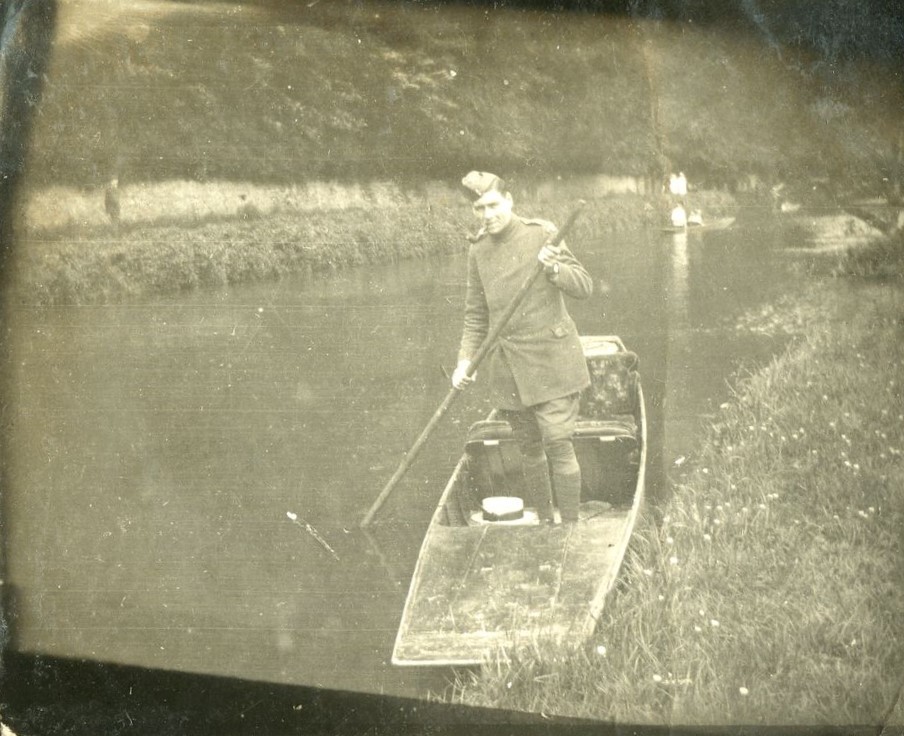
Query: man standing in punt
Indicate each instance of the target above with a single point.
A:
(537, 368)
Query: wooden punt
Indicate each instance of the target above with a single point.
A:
(482, 586)
(721, 223)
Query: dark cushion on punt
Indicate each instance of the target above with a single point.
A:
(613, 386)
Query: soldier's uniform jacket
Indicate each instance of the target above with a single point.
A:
(538, 355)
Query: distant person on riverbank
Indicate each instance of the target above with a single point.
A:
(537, 368)
(678, 192)
(678, 186)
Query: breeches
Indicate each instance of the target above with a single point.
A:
(545, 430)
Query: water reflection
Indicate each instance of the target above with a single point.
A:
(159, 448)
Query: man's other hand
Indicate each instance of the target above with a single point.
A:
(460, 377)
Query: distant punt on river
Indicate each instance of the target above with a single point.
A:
(721, 223)
(490, 575)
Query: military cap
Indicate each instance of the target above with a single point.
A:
(481, 182)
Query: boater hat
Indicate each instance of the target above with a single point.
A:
(478, 183)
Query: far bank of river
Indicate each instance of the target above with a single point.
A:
(181, 236)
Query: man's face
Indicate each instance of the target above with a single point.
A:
(494, 210)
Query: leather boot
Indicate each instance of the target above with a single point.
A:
(568, 495)
(538, 489)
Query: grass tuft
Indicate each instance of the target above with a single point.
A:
(883, 259)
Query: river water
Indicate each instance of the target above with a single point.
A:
(159, 447)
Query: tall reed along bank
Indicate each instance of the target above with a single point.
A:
(768, 589)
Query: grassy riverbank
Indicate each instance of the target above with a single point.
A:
(177, 237)
(168, 258)
(769, 588)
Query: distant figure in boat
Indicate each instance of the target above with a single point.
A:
(537, 369)
(111, 201)
(678, 216)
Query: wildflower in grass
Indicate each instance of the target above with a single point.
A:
(669, 540)
(714, 623)
(657, 678)
(872, 509)
(743, 691)
(673, 560)
(601, 650)
(697, 628)
(707, 538)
